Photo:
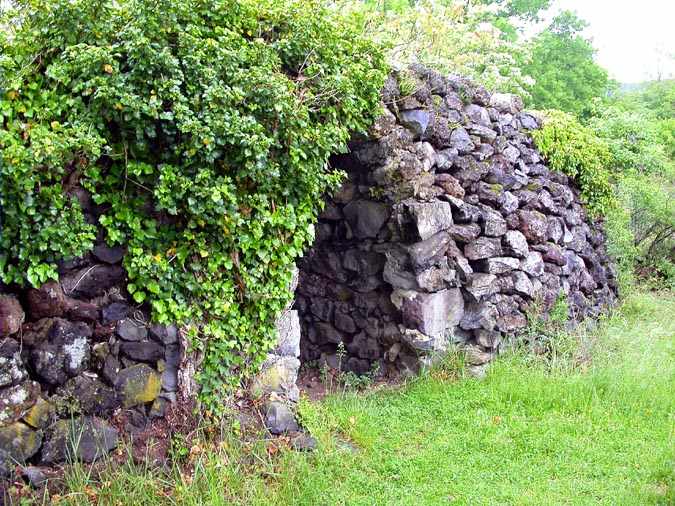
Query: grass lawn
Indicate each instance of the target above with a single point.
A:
(539, 431)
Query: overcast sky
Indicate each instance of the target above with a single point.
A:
(634, 38)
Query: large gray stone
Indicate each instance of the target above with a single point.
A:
(533, 264)
(366, 217)
(430, 313)
(479, 315)
(430, 217)
(17, 400)
(130, 330)
(515, 244)
(480, 285)
(425, 253)
(279, 419)
(483, 247)
(461, 141)
(415, 120)
(499, 265)
(533, 225)
(84, 438)
(493, 223)
(288, 331)
(11, 315)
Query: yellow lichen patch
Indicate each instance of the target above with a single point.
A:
(40, 414)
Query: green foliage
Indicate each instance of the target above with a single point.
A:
(566, 76)
(638, 129)
(202, 130)
(573, 149)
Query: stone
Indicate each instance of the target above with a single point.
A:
(488, 338)
(515, 244)
(82, 438)
(109, 254)
(138, 384)
(415, 120)
(461, 141)
(279, 419)
(478, 115)
(11, 315)
(499, 265)
(12, 370)
(366, 217)
(16, 401)
(344, 323)
(430, 313)
(40, 414)
(464, 233)
(533, 264)
(166, 334)
(528, 121)
(436, 278)
(35, 476)
(476, 356)
(506, 102)
(483, 247)
(81, 311)
(479, 315)
(430, 218)
(278, 375)
(115, 312)
(144, 351)
(130, 330)
(428, 252)
(522, 284)
(288, 331)
(47, 301)
(480, 285)
(89, 395)
(66, 353)
(508, 202)
(19, 441)
(93, 281)
(398, 272)
(304, 443)
(534, 226)
(169, 379)
(450, 185)
(493, 223)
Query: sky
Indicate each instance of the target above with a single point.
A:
(634, 38)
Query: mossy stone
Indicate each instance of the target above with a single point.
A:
(138, 384)
(19, 441)
(40, 414)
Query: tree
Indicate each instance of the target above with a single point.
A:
(562, 64)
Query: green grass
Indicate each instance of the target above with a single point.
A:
(535, 431)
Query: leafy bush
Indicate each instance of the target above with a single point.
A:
(573, 149)
(202, 130)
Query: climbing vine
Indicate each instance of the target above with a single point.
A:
(201, 131)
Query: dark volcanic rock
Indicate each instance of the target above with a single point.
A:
(84, 438)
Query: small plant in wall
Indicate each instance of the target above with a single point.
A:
(201, 130)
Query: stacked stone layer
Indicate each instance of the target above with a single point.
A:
(449, 228)
(74, 353)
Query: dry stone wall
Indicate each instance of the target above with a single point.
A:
(449, 227)
(72, 354)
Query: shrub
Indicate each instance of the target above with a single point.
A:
(573, 149)
(202, 130)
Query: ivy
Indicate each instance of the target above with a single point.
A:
(573, 149)
(201, 130)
